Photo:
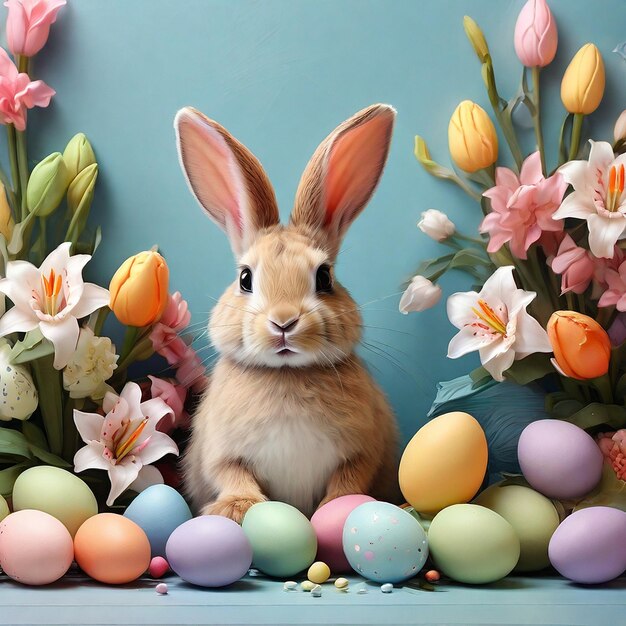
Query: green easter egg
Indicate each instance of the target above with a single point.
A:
(4, 508)
(56, 492)
(532, 515)
(283, 540)
(472, 544)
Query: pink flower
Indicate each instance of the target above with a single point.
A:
(575, 264)
(617, 330)
(191, 371)
(615, 295)
(164, 334)
(550, 243)
(174, 396)
(613, 447)
(18, 93)
(176, 315)
(28, 24)
(522, 208)
(535, 34)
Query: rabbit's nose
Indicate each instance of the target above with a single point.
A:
(280, 326)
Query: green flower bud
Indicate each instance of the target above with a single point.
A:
(422, 154)
(476, 38)
(81, 188)
(78, 155)
(47, 185)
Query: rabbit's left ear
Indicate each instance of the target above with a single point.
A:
(343, 173)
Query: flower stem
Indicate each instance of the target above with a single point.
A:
(49, 385)
(537, 118)
(462, 237)
(465, 187)
(99, 324)
(15, 173)
(576, 128)
(22, 163)
(130, 337)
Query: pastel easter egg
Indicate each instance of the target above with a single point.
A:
(159, 510)
(57, 492)
(444, 463)
(4, 508)
(210, 551)
(283, 539)
(472, 544)
(35, 548)
(384, 543)
(559, 459)
(18, 397)
(328, 522)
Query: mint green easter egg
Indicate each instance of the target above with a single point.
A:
(283, 539)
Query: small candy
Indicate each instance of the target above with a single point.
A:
(432, 576)
(290, 585)
(161, 589)
(362, 589)
(316, 592)
(342, 583)
(319, 572)
(158, 567)
(253, 572)
(307, 585)
(386, 588)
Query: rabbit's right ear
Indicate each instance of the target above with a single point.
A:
(225, 177)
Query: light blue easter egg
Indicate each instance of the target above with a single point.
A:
(384, 543)
(159, 510)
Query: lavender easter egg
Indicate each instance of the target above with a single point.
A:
(209, 551)
(384, 543)
(589, 546)
(328, 522)
(559, 459)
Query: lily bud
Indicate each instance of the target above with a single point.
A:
(421, 294)
(536, 36)
(476, 38)
(436, 225)
(81, 188)
(619, 132)
(6, 218)
(472, 137)
(139, 289)
(582, 348)
(47, 185)
(582, 86)
(78, 155)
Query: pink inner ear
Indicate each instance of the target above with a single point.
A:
(354, 167)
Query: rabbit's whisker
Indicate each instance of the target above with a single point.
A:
(388, 357)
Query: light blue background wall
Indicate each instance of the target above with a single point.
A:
(280, 75)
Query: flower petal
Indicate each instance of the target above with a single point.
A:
(499, 364)
(122, 476)
(577, 204)
(468, 340)
(88, 425)
(578, 174)
(459, 308)
(601, 155)
(90, 457)
(530, 337)
(22, 279)
(604, 233)
(17, 320)
(63, 333)
(132, 395)
(158, 446)
(148, 476)
(531, 172)
(92, 298)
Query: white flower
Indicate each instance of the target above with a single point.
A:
(598, 196)
(125, 441)
(90, 366)
(421, 294)
(53, 297)
(619, 132)
(19, 394)
(436, 225)
(495, 323)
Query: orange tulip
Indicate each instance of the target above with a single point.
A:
(139, 289)
(582, 348)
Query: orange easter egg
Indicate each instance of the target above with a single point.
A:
(112, 549)
(444, 463)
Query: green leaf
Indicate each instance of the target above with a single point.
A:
(50, 385)
(34, 435)
(17, 238)
(33, 346)
(8, 477)
(531, 368)
(48, 458)
(432, 267)
(469, 257)
(596, 414)
(565, 408)
(14, 443)
(480, 377)
(610, 492)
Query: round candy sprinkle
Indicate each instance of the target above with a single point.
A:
(319, 572)
(316, 592)
(342, 583)
(386, 588)
(290, 585)
(432, 576)
(307, 585)
(161, 589)
(158, 567)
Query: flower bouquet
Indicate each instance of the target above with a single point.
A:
(68, 399)
(548, 263)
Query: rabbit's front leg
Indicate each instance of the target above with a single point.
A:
(351, 477)
(237, 490)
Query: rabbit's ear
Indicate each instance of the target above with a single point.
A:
(225, 177)
(343, 173)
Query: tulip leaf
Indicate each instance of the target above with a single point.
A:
(34, 435)
(564, 409)
(620, 388)
(17, 238)
(50, 386)
(531, 368)
(9, 475)
(480, 377)
(14, 443)
(597, 414)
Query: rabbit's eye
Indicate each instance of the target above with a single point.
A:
(245, 280)
(323, 279)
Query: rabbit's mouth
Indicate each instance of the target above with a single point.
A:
(286, 352)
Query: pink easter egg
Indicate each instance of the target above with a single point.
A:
(328, 522)
(158, 567)
(35, 548)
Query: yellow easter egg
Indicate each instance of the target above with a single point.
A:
(444, 463)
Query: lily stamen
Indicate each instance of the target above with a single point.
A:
(616, 187)
(124, 448)
(489, 317)
(51, 290)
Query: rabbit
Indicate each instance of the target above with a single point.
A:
(290, 414)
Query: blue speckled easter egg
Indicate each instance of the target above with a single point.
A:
(384, 543)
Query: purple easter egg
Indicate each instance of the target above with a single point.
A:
(558, 459)
(210, 551)
(589, 546)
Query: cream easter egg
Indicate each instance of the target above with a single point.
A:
(444, 463)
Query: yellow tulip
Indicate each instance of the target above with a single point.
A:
(582, 87)
(139, 289)
(6, 218)
(472, 137)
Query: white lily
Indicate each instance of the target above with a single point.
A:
(598, 196)
(53, 297)
(495, 322)
(125, 441)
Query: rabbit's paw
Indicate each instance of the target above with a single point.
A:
(234, 507)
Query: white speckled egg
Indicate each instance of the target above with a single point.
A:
(18, 394)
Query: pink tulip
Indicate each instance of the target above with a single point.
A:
(576, 266)
(535, 34)
(191, 372)
(28, 24)
(18, 93)
(174, 396)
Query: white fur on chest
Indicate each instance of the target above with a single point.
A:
(294, 461)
